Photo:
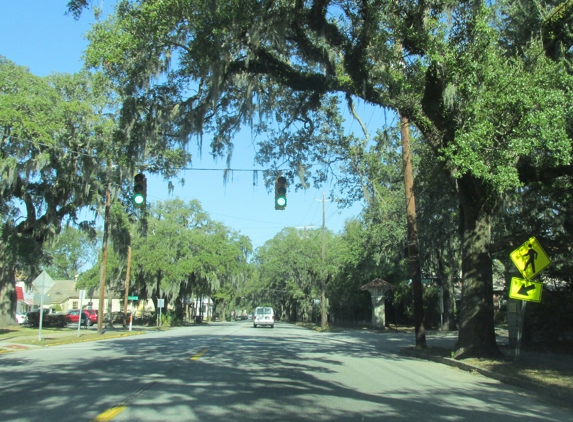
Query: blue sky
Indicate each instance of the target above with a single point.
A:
(37, 34)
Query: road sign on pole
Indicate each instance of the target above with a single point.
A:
(82, 295)
(527, 290)
(132, 297)
(530, 258)
(160, 304)
(43, 283)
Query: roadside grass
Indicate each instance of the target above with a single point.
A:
(23, 331)
(547, 369)
(315, 327)
(56, 336)
(550, 366)
(542, 368)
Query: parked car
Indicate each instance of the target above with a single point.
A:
(264, 316)
(73, 316)
(92, 315)
(20, 318)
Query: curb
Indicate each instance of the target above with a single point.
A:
(564, 398)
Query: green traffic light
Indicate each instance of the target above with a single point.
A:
(139, 190)
(138, 199)
(280, 193)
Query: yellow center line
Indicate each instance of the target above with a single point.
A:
(109, 414)
(201, 353)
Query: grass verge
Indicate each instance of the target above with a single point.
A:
(27, 336)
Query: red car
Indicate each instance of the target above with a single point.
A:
(73, 316)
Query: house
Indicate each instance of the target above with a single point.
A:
(63, 296)
(25, 300)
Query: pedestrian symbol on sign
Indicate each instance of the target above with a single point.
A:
(530, 258)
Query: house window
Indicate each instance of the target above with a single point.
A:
(74, 304)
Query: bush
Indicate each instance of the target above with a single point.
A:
(170, 319)
(551, 320)
(48, 320)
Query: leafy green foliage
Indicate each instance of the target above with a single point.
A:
(184, 252)
(496, 114)
(52, 129)
(70, 252)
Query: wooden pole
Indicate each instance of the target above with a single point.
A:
(104, 258)
(413, 254)
(127, 274)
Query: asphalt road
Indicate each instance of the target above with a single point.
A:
(234, 372)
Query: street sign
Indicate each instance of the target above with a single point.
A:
(530, 258)
(525, 290)
(132, 297)
(160, 303)
(43, 281)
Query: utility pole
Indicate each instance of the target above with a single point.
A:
(127, 273)
(104, 256)
(413, 253)
(323, 288)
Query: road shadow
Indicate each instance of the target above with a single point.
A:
(291, 377)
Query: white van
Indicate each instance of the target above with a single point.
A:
(264, 315)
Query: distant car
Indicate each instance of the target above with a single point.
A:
(73, 316)
(264, 316)
(20, 318)
(250, 316)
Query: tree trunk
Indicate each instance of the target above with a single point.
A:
(449, 304)
(477, 331)
(447, 280)
(8, 299)
(323, 306)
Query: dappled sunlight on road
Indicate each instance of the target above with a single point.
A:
(285, 373)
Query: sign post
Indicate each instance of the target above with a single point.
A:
(132, 298)
(530, 259)
(43, 283)
(160, 304)
(82, 294)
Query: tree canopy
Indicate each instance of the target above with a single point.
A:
(487, 85)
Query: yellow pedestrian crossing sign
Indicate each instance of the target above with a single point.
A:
(521, 289)
(530, 258)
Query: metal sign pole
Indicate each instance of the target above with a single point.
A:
(41, 310)
(520, 330)
(82, 294)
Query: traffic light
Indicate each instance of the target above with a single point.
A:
(280, 193)
(139, 190)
